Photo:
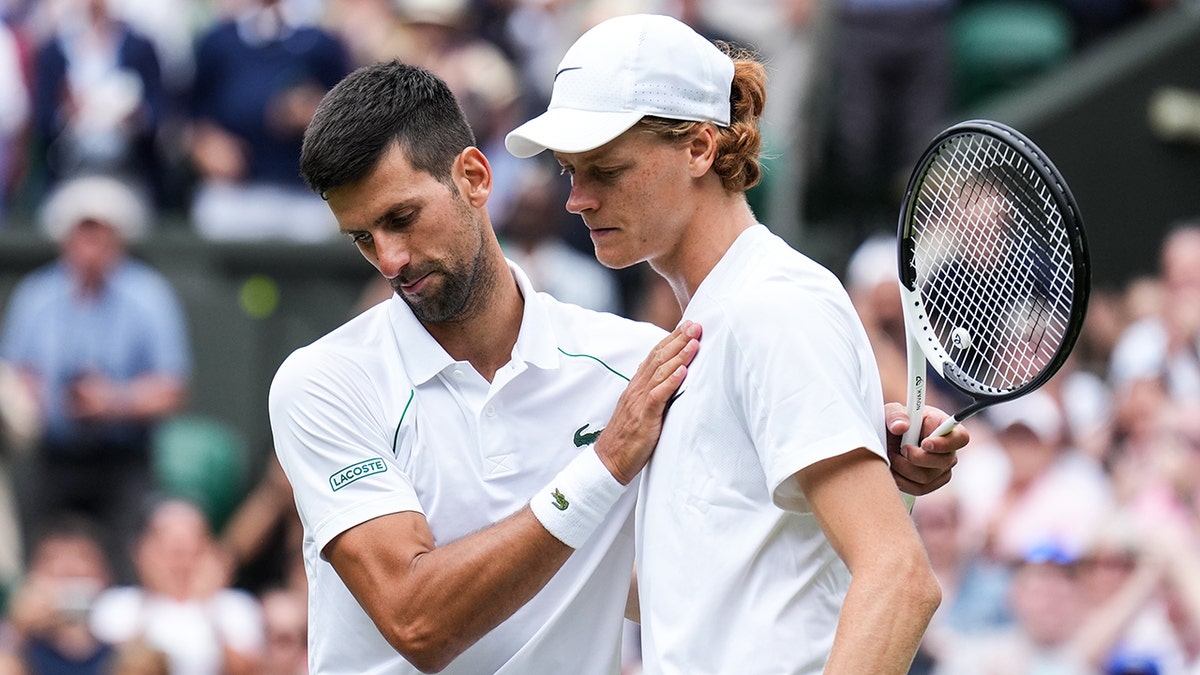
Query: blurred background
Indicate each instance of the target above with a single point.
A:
(160, 256)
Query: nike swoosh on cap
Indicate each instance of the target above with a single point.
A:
(566, 69)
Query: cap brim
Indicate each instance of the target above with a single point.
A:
(568, 130)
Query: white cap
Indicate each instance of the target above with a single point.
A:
(872, 263)
(622, 70)
(95, 197)
(1036, 411)
(436, 12)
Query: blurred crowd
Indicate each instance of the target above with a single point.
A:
(1068, 540)
(1067, 543)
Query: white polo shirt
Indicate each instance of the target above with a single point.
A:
(375, 418)
(734, 573)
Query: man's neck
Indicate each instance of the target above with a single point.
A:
(705, 242)
(485, 338)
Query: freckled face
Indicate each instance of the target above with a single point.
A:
(419, 233)
(632, 195)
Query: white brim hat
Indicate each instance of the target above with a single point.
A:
(622, 70)
(99, 198)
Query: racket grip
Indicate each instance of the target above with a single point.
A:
(914, 407)
(945, 427)
(913, 435)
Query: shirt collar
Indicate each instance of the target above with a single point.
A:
(424, 357)
(536, 343)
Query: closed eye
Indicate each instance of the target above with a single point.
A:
(607, 174)
(399, 221)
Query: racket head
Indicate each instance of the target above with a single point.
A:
(993, 262)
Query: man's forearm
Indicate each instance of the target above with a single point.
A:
(883, 620)
(433, 605)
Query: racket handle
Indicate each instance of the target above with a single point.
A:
(945, 427)
(914, 407)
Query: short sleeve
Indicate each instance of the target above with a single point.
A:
(811, 386)
(332, 438)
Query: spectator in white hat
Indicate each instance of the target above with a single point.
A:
(100, 339)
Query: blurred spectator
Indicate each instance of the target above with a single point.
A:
(1048, 604)
(14, 114)
(438, 36)
(1107, 317)
(892, 90)
(372, 30)
(184, 604)
(1130, 606)
(49, 611)
(168, 24)
(937, 517)
(1165, 345)
(1124, 574)
(1157, 475)
(532, 236)
(139, 658)
(19, 429)
(794, 38)
(1086, 403)
(285, 616)
(1047, 489)
(259, 77)
(871, 280)
(11, 664)
(264, 536)
(98, 98)
(100, 337)
(1021, 485)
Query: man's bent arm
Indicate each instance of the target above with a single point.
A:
(431, 603)
(893, 592)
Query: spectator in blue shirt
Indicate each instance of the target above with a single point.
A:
(259, 77)
(101, 340)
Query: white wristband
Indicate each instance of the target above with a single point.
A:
(574, 504)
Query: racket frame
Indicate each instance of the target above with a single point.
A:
(922, 343)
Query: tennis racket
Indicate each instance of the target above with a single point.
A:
(994, 269)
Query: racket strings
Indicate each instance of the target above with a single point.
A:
(993, 262)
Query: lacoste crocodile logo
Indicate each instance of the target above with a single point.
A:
(582, 439)
(560, 502)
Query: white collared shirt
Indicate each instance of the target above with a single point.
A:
(376, 418)
(734, 573)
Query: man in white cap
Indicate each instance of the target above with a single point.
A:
(463, 454)
(771, 537)
(100, 339)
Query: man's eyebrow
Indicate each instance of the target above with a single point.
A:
(392, 212)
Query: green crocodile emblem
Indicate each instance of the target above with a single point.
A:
(582, 439)
(560, 502)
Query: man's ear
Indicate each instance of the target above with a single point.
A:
(702, 150)
(473, 174)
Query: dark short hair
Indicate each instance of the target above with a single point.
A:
(374, 107)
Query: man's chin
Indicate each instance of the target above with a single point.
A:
(614, 260)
